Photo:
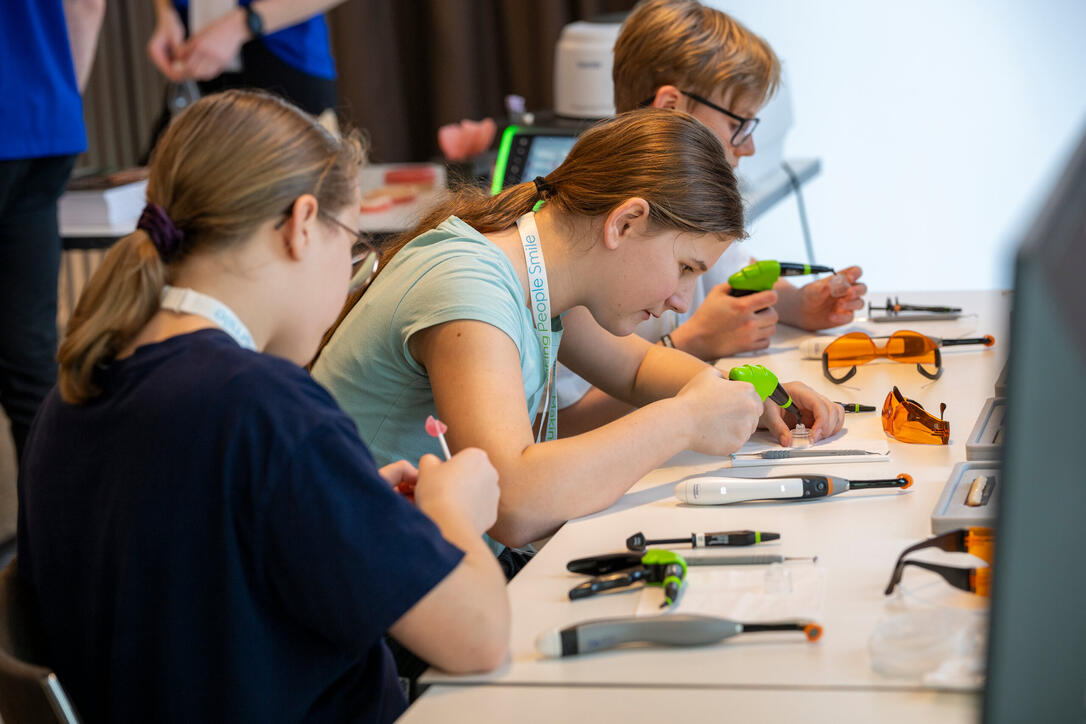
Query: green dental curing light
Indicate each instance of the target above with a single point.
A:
(765, 384)
(762, 275)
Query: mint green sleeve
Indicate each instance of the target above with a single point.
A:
(463, 287)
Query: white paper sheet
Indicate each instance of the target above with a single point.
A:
(862, 431)
(739, 593)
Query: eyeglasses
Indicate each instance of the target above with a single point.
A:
(746, 125)
(976, 541)
(906, 420)
(907, 347)
(364, 255)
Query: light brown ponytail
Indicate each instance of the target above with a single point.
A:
(226, 165)
(666, 157)
(120, 298)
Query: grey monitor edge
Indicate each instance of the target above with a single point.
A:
(1037, 636)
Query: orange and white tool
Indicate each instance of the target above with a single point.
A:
(718, 490)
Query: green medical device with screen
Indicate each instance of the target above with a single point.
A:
(529, 151)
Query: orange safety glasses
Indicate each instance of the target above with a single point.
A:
(858, 348)
(906, 420)
(977, 541)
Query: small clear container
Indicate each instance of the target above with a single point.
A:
(916, 642)
(778, 579)
(180, 96)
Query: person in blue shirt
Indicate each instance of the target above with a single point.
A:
(283, 47)
(204, 533)
(473, 306)
(46, 53)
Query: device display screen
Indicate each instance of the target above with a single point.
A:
(545, 155)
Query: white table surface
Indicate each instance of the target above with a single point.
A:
(856, 535)
(550, 705)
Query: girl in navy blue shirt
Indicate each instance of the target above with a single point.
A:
(205, 535)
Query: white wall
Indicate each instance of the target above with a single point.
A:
(940, 125)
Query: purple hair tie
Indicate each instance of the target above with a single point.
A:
(164, 234)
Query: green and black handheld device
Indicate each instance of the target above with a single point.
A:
(766, 385)
(762, 275)
(663, 568)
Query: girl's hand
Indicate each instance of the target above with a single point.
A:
(402, 476)
(723, 414)
(823, 416)
(466, 486)
(831, 301)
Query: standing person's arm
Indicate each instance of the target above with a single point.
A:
(84, 20)
(166, 40)
(204, 55)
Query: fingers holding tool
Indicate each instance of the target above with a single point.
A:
(823, 416)
(724, 325)
(402, 476)
(831, 301)
(758, 318)
(773, 420)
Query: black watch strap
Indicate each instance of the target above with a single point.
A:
(253, 22)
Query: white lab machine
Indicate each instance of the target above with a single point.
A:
(582, 69)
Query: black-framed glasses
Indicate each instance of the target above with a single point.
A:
(746, 125)
(973, 580)
(977, 541)
(364, 255)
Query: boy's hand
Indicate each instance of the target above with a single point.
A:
(830, 302)
(725, 325)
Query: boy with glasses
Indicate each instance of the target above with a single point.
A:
(680, 54)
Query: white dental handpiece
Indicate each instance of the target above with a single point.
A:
(714, 490)
(718, 490)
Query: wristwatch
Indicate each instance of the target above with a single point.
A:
(253, 21)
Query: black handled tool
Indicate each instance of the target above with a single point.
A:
(895, 307)
(638, 542)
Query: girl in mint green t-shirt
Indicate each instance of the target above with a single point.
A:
(470, 310)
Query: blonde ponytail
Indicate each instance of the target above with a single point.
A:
(119, 300)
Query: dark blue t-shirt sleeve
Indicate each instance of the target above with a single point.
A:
(345, 553)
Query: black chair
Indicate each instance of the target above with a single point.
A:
(29, 692)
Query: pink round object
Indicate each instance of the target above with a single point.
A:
(435, 427)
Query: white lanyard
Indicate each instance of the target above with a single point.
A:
(540, 304)
(190, 301)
